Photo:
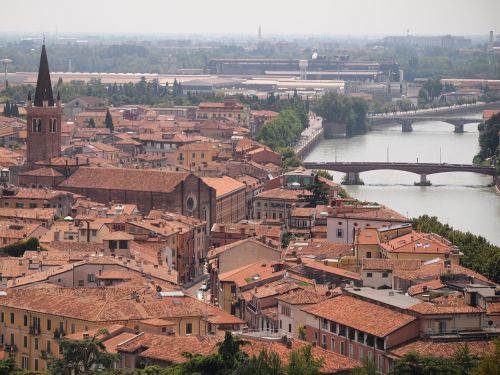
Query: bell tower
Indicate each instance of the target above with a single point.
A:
(43, 118)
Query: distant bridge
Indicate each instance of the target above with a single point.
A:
(408, 120)
(352, 169)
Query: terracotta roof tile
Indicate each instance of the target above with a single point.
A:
(355, 313)
(442, 349)
(124, 179)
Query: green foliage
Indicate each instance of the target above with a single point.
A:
(6, 109)
(18, 248)
(335, 108)
(490, 363)
(108, 121)
(282, 131)
(434, 87)
(488, 138)
(290, 160)
(368, 367)
(80, 357)
(479, 255)
(8, 366)
(319, 193)
(423, 97)
(302, 362)
(325, 174)
(461, 363)
(231, 360)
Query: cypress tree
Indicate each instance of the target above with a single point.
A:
(109, 121)
(6, 109)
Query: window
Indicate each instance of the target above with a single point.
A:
(53, 125)
(289, 327)
(233, 288)
(122, 244)
(49, 325)
(12, 341)
(32, 205)
(324, 324)
(81, 283)
(342, 348)
(361, 337)
(360, 354)
(385, 274)
(2, 317)
(369, 274)
(19, 205)
(49, 346)
(36, 343)
(72, 327)
(351, 351)
(333, 327)
(352, 333)
(341, 330)
(368, 254)
(189, 328)
(323, 341)
(36, 364)
(25, 320)
(380, 363)
(333, 344)
(25, 363)
(25, 341)
(340, 233)
(12, 319)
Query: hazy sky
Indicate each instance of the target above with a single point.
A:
(346, 17)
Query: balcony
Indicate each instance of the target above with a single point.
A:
(59, 334)
(10, 348)
(34, 331)
(44, 354)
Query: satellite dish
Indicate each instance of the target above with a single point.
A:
(314, 56)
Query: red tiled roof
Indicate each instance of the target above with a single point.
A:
(442, 349)
(124, 179)
(355, 313)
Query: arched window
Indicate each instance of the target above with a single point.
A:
(53, 125)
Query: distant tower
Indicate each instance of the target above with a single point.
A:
(260, 33)
(43, 117)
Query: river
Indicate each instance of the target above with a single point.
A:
(462, 200)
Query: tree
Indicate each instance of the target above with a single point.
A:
(108, 121)
(302, 362)
(490, 363)
(6, 109)
(341, 109)
(325, 174)
(79, 357)
(91, 123)
(464, 360)
(414, 363)
(423, 97)
(319, 193)
(488, 139)
(434, 88)
(8, 366)
(368, 367)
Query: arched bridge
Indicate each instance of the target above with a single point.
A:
(352, 169)
(407, 121)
